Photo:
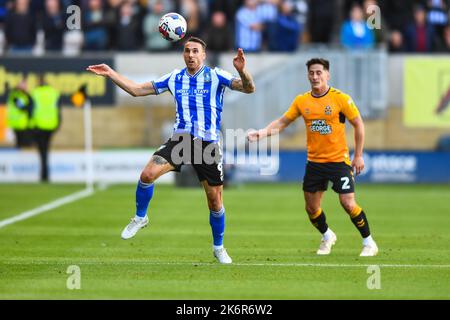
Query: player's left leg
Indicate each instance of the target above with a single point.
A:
(217, 220)
(318, 220)
(360, 221)
(315, 183)
(210, 174)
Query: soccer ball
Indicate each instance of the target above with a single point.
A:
(172, 26)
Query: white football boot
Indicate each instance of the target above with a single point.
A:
(325, 245)
(369, 250)
(222, 256)
(133, 227)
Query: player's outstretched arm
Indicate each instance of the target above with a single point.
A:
(358, 161)
(127, 85)
(245, 83)
(275, 127)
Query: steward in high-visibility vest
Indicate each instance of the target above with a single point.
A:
(45, 120)
(18, 113)
(46, 113)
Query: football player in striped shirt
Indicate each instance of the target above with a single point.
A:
(198, 94)
(324, 110)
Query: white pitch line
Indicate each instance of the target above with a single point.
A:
(46, 207)
(319, 265)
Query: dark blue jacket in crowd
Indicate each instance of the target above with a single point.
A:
(288, 32)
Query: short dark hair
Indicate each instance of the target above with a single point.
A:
(198, 40)
(325, 63)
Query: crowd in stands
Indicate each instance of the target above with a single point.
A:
(254, 25)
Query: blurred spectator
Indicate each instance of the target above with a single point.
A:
(381, 34)
(219, 37)
(72, 43)
(53, 24)
(3, 11)
(287, 28)
(267, 11)
(398, 13)
(190, 10)
(127, 28)
(153, 39)
(168, 5)
(444, 44)
(37, 6)
(301, 11)
(321, 19)
(354, 32)
(111, 17)
(438, 16)
(95, 26)
(419, 35)
(230, 7)
(20, 27)
(396, 42)
(66, 3)
(249, 27)
(19, 108)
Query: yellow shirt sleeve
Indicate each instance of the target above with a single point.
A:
(348, 107)
(294, 110)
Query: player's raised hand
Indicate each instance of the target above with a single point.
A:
(253, 135)
(358, 165)
(239, 60)
(100, 69)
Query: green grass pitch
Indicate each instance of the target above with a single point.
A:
(268, 235)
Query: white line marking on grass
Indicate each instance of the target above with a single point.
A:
(156, 263)
(46, 207)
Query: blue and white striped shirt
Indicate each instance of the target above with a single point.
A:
(198, 99)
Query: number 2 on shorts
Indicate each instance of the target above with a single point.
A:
(346, 181)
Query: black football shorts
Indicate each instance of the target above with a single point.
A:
(205, 156)
(317, 176)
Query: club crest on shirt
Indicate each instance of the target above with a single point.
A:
(328, 110)
(207, 76)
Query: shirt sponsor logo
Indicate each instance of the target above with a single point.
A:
(320, 126)
(192, 92)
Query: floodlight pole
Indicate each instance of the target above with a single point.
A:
(89, 157)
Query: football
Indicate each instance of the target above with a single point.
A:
(172, 26)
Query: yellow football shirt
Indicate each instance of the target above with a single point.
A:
(325, 124)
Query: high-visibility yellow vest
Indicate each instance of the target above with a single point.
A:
(45, 110)
(17, 118)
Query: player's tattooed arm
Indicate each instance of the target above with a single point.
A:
(133, 88)
(245, 83)
(159, 160)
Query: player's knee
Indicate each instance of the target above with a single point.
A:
(149, 176)
(348, 205)
(214, 201)
(216, 206)
(311, 210)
